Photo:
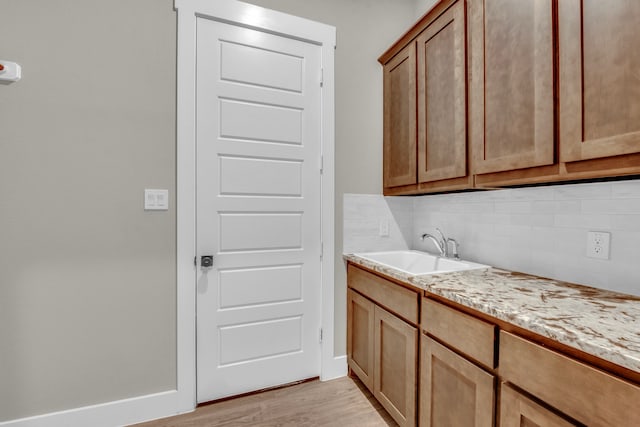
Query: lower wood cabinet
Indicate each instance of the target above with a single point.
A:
(360, 337)
(382, 345)
(453, 391)
(517, 410)
(395, 366)
(462, 356)
(582, 392)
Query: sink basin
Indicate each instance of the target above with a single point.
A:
(416, 262)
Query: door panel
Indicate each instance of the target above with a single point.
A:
(599, 86)
(511, 97)
(253, 341)
(268, 123)
(277, 70)
(260, 231)
(245, 287)
(258, 209)
(237, 177)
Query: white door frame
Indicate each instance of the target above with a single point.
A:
(250, 16)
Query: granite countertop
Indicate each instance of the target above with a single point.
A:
(602, 323)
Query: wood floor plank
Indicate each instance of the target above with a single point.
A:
(341, 402)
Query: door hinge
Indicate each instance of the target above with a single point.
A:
(321, 249)
(320, 335)
(321, 164)
(195, 261)
(321, 77)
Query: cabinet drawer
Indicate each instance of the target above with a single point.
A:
(472, 337)
(401, 301)
(586, 394)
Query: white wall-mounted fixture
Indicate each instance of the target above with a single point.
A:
(9, 72)
(598, 244)
(156, 200)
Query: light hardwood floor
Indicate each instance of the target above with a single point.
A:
(342, 402)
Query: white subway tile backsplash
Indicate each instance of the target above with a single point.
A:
(586, 221)
(541, 230)
(611, 206)
(598, 190)
(535, 219)
(626, 189)
(513, 207)
(625, 222)
(362, 214)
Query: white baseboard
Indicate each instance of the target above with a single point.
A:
(111, 414)
(138, 409)
(336, 368)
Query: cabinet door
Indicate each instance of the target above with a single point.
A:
(442, 130)
(599, 44)
(511, 90)
(395, 366)
(453, 391)
(360, 337)
(400, 119)
(516, 410)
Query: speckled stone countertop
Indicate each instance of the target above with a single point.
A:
(601, 323)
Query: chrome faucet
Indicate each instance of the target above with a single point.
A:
(439, 245)
(442, 244)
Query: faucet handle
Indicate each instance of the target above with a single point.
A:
(455, 246)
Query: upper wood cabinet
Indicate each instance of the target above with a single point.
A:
(400, 119)
(485, 94)
(599, 80)
(442, 107)
(425, 107)
(511, 84)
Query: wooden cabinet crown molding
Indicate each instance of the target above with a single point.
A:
(438, 8)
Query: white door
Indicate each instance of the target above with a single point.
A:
(258, 130)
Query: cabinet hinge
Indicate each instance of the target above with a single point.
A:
(320, 335)
(321, 164)
(321, 77)
(321, 250)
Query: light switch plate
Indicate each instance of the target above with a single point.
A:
(156, 200)
(383, 227)
(598, 244)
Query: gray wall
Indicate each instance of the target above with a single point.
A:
(365, 29)
(87, 278)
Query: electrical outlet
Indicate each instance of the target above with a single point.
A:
(384, 227)
(598, 244)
